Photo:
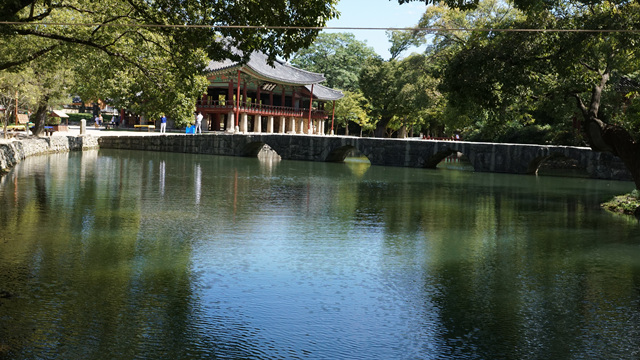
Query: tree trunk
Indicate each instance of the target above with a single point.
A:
(381, 127)
(616, 140)
(606, 137)
(40, 116)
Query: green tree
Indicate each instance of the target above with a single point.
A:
(339, 56)
(461, 4)
(379, 85)
(447, 111)
(157, 63)
(400, 93)
(15, 90)
(352, 108)
(38, 87)
(403, 40)
(417, 94)
(555, 75)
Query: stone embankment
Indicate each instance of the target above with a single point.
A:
(484, 157)
(14, 151)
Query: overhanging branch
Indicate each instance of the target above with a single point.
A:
(37, 54)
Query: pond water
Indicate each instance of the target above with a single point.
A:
(145, 255)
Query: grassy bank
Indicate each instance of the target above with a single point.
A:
(625, 204)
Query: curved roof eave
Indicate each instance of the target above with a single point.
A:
(280, 72)
(321, 92)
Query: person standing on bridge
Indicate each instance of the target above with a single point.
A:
(163, 124)
(198, 123)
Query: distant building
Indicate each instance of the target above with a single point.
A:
(258, 97)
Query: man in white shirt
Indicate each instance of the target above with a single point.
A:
(198, 123)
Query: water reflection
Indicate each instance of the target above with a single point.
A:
(305, 260)
(198, 183)
(162, 171)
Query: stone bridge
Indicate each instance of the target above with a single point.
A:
(484, 157)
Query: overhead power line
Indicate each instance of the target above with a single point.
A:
(257, 27)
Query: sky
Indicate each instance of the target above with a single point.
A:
(377, 14)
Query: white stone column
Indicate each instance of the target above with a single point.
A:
(257, 124)
(270, 124)
(283, 125)
(230, 122)
(320, 127)
(302, 128)
(243, 125)
(292, 128)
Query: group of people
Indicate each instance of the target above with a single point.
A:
(98, 120)
(115, 120)
(163, 122)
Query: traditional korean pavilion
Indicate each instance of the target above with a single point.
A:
(258, 97)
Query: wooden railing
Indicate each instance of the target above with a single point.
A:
(259, 109)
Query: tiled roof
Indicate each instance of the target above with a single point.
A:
(324, 93)
(280, 72)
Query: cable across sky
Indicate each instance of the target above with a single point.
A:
(263, 27)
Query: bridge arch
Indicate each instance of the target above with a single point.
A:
(257, 148)
(439, 152)
(340, 153)
(554, 163)
(436, 158)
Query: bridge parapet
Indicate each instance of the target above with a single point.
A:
(484, 157)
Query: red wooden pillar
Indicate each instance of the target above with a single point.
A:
(230, 93)
(244, 93)
(310, 106)
(333, 116)
(238, 100)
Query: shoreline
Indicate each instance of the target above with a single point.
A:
(13, 151)
(625, 204)
(21, 145)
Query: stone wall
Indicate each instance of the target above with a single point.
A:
(484, 157)
(12, 152)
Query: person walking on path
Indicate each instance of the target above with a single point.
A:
(163, 124)
(198, 123)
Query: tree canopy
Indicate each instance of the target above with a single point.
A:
(566, 65)
(147, 54)
(553, 76)
(339, 56)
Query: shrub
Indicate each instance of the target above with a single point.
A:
(75, 118)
